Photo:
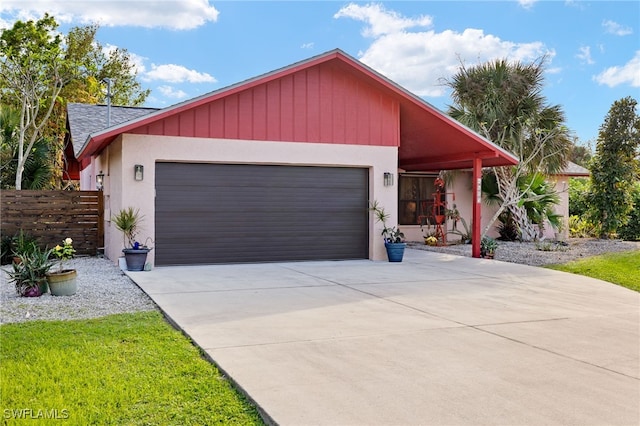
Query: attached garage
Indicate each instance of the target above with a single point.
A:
(233, 213)
(276, 168)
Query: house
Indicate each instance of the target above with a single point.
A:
(280, 167)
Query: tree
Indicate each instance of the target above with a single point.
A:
(581, 154)
(37, 167)
(503, 102)
(40, 71)
(615, 166)
(33, 73)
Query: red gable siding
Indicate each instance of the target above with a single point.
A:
(316, 104)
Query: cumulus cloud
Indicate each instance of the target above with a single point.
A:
(173, 73)
(381, 21)
(420, 60)
(171, 92)
(615, 28)
(628, 73)
(584, 54)
(172, 14)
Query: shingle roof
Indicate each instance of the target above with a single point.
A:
(85, 119)
(573, 169)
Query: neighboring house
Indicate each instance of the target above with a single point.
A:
(561, 180)
(280, 167)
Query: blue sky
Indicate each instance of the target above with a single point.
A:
(186, 48)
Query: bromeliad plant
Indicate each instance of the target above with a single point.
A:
(29, 275)
(63, 252)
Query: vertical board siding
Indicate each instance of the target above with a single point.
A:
(51, 216)
(320, 105)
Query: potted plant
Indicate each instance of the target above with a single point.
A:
(128, 221)
(488, 247)
(63, 281)
(29, 275)
(392, 236)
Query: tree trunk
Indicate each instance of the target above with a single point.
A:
(527, 230)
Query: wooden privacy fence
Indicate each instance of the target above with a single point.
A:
(51, 216)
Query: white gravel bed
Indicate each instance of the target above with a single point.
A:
(541, 253)
(103, 289)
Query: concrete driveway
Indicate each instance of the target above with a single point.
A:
(435, 340)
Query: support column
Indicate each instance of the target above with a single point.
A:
(477, 207)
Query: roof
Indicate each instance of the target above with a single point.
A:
(573, 169)
(429, 138)
(85, 119)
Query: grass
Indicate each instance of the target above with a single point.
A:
(619, 268)
(132, 369)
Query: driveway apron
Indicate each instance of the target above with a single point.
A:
(434, 340)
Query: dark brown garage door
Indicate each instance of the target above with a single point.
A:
(230, 213)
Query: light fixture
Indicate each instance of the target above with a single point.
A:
(138, 172)
(100, 181)
(388, 179)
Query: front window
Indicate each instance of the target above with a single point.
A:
(415, 204)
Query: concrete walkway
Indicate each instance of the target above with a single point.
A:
(435, 340)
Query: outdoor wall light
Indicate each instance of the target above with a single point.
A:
(100, 181)
(138, 172)
(388, 179)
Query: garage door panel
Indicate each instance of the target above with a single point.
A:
(219, 213)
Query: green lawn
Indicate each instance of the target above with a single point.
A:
(132, 369)
(619, 268)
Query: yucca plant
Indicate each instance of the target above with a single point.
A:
(128, 221)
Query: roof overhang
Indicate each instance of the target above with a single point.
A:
(430, 140)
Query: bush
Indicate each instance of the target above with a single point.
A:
(581, 228)
(631, 231)
(578, 196)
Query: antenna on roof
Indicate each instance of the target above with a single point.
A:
(108, 81)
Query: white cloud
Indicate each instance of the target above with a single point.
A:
(629, 73)
(171, 92)
(173, 73)
(527, 4)
(584, 54)
(420, 61)
(307, 46)
(173, 14)
(613, 27)
(381, 21)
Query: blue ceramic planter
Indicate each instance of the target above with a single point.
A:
(395, 251)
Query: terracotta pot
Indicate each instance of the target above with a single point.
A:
(63, 283)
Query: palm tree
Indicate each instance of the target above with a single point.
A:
(37, 169)
(503, 102)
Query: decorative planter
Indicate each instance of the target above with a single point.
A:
(135, 259)
(63, 283)
(395, 251)
(32, 292)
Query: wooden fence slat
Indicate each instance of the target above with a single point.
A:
(51, 216)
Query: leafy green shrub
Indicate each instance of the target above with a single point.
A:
(581, 228)
(578, 196)
(631, 231)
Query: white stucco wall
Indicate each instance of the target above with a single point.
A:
(121, 190)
